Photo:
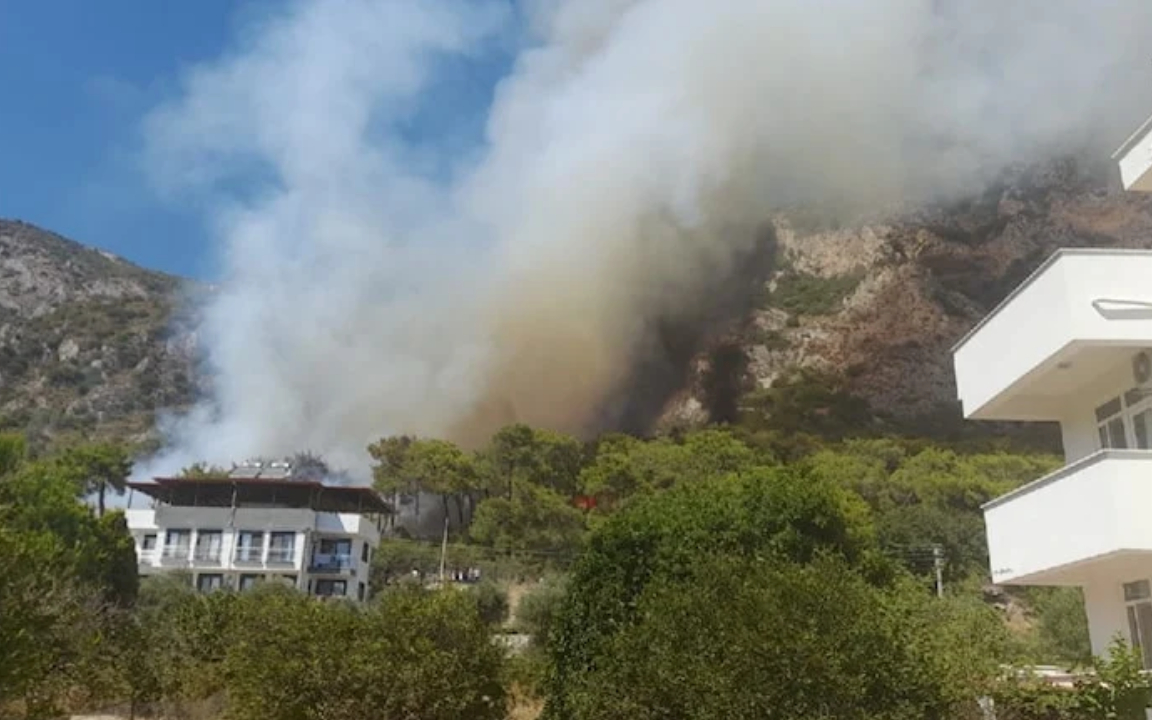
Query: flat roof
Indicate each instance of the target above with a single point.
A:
(1048, 262)
(223, 491)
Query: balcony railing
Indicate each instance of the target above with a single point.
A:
(281, 555)
(330, 563)
(175, 553)
(208, 556)
(249, 554)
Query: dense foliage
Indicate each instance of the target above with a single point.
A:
(705, 574)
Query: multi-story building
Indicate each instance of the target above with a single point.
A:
(260, 523)
(1073, 344)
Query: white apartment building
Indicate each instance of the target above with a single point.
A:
(1073, 344)
(260, 524)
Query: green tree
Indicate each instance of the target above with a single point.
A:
(491, 601)
(391, 472)
(439, 467)
(535, 520)
(794, 640)
(49, 622)
(624, 466)
(203, 470)
(1061, 625)
(411, 654)
(768, 512)
(518, 454)
(97, 468)
(536, 613)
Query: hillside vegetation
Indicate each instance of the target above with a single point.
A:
(90, 345)
(823, 564)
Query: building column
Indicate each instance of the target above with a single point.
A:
(1107, 616)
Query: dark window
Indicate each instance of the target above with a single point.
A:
(149, 541)
(331, 588)
(207, 582)
(1108, 409)
(364, 553)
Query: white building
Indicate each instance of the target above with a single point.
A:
(260, 524)
(1073, 344)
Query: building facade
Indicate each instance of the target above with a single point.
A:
(256, 525)
(1073, 345)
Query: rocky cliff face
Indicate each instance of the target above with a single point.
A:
(90, 344)
(877, 306)
(93, 345)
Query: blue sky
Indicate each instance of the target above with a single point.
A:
(76, 77)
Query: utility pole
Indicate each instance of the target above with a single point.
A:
(938, 564)
(443, 550)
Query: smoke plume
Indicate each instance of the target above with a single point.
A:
(383, 273)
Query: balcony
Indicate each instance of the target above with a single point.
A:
(332, 564)
(1082, 315)
(249, 555)
(1086, 519)
(208, 556)
(1135, 159)
(281, 556)
(175, 555)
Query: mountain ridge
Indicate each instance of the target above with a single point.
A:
(91, 345)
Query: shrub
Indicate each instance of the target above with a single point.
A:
(792, 640)
(536, 613)
(804, 294)
(414, 653)
(491, 602)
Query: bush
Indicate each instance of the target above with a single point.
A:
(1117, 689)
(491, 602)
(767, 512)
(792, 641)
(414, 653)
(536, 613)
(803, 294)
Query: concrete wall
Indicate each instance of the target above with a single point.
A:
(1002, 361)
(1081, 512)
(1104, 603)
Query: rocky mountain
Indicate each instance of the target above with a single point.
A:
(871, 311)
(850, 327)
(90, 344)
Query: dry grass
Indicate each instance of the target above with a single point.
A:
(525, 708)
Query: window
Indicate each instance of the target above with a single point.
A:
(364, 553)
(177, 544)
(208, 545)
(332, 554)
(247, 582)
(249, 546)
(1141, 425)
(1138, 597)
(1110, 425)
(149, 542)
(281, 547)
(1126, 422)
(331, 588)
(208, 582)
(361, 592)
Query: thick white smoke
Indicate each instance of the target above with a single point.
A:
(379, 281)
